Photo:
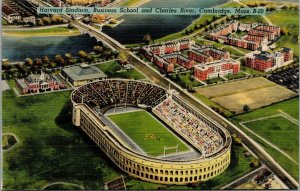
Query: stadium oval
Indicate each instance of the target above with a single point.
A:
(91, 101)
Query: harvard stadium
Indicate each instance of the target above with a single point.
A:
(150, 132)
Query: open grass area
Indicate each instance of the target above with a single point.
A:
(251, 71)
(55, 31)
(147, 132)
(288, 20)
(214, 80)
(115, 70)
(235, 76)
(279, 131)
(254, 92)
(185, 80)
(50, 148)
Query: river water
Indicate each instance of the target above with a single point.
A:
(131, 30)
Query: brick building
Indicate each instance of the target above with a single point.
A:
(216, 68)
(258, 34)
(39, 82)
(265, 61)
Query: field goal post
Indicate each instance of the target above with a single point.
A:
(170, 148)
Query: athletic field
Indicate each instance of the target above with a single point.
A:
(276, 129)
(148, 133)
(254, 92)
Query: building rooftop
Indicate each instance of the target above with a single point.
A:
(84, 72)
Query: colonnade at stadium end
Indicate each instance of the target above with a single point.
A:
(146, 168)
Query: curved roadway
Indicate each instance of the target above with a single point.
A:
(160, 80)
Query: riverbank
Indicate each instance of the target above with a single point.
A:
(41, 32)
(200, 21)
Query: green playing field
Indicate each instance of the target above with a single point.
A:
(147, 132)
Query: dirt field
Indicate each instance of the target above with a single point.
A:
(255, 92)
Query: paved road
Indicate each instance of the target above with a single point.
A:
(160, 80)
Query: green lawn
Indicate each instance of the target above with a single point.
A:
(50, 148)
(251, 71)
(185, 80)
(147, 132)
(279, 131)
(214, 80)
(287, 20)
(114, 70)
(235, 76)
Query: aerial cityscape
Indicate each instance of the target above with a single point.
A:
(150, 102)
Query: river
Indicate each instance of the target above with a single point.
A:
(130, 31)
(133, 29)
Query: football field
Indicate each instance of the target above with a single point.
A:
(147, 132)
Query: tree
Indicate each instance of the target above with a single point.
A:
(98, 49)
(52, 65)
(6, 65)
(28, 62)
(59, 59)
(82, 54)
(255, 163)
(122, 58)
(246, 108)
(147, 38)
(46, 20)
(45, 60)
(38, 62)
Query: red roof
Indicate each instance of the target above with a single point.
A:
(7, 10)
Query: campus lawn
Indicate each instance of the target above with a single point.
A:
(147, 132)
(43, 32)
(114, 70)
(287, 20)
(214, 80)
(286, 163)
(251, 71)
(280, 132)
(235, 76)
(185, 80)
(50, 148)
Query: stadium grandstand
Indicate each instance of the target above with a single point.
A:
(92, 101)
